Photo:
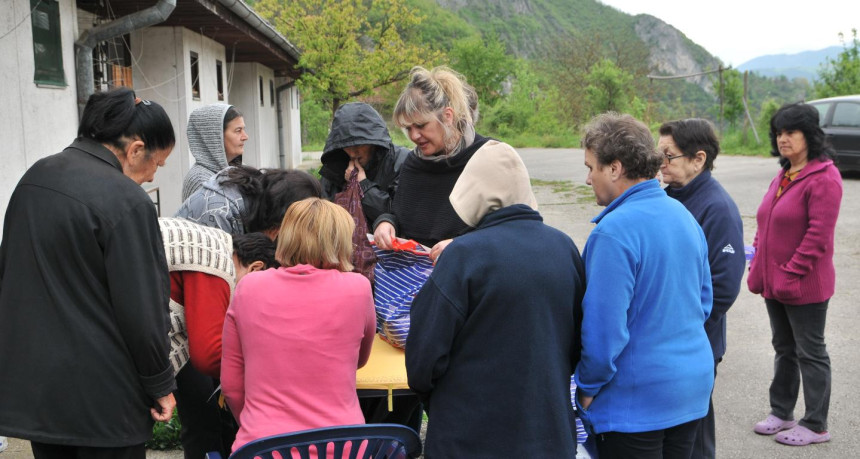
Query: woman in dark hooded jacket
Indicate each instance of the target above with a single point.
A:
(359, 140)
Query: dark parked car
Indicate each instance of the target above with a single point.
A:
(840, 120)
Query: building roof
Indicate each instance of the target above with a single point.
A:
(246, 36)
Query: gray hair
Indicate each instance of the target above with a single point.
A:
(612, 136)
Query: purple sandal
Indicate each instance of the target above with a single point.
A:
(801, 436)
(772, 425)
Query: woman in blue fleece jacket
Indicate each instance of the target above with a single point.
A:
(646, 366)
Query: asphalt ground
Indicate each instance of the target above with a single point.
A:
(740, 394)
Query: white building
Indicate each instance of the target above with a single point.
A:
(180, 53)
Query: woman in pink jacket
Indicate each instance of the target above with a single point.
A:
(294, 336)
(793, 270)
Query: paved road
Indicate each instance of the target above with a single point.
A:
(740, 396)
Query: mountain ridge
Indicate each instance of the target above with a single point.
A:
(804, 64)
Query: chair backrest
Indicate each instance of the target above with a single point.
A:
(377, 441)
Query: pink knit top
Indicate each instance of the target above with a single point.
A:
(293, 339)
(793, 262)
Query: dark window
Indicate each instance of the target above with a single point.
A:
(271, 93)
(47, 48)
(822, 112)
(846, 115)
(195, 76)
(262, 97)
(219, 79)
(112, 64)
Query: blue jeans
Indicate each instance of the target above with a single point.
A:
(798, 339)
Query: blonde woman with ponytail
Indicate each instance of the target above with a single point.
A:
(437, 110)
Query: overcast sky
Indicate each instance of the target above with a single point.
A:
(738, 30)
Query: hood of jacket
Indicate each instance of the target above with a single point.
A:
(205, 133)
(355, 123)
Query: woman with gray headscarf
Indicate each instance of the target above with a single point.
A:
(216, 137)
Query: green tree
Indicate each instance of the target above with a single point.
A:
(841, 76)
(768, 109)
(530, 107)
(733, 97)
(608, 88)
(571, 61)
(485, 64)
(349, 48)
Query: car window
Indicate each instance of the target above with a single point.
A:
(822, 111)
(846, 114)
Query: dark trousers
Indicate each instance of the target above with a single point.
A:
(705, 443)
(798, 339)
(49, 451)
(205, 426)
(672, 443)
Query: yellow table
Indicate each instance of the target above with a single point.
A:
(385, 370)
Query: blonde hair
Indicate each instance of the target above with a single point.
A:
(431, 91)
(316, 232)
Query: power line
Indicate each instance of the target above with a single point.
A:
(675, 77)
(22, 21)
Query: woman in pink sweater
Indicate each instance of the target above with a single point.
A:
(294, 336)
(793, 270)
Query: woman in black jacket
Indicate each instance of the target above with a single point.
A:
(438, 111)
(84, 289)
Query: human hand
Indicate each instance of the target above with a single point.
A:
(384, 236)
(584, 400)
(354, 165)
(438, 248)
(164, 411)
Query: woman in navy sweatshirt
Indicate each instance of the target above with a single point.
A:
(689, 148)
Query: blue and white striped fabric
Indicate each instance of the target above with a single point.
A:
(581, 435)
(399, 275)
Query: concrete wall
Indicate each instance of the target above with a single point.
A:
(262, 148)
(34, 121)
(289, 127)
(38, 121)
(162, 72)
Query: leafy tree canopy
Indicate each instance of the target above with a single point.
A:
(484, 63)
(349, 48)
(841, 76)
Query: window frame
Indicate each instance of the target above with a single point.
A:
(48, 65)
(195, 75)
(219, 79)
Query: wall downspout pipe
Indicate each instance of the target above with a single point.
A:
(282, 147)
(88, 40)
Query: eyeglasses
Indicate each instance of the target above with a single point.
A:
(668, 158)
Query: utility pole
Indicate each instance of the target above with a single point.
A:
(721, 99)
(746, 83)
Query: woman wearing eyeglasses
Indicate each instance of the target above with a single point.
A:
(689, 148)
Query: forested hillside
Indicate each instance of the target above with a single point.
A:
(541, 67)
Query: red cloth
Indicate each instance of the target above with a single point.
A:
(793, 262)
(206, 298)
